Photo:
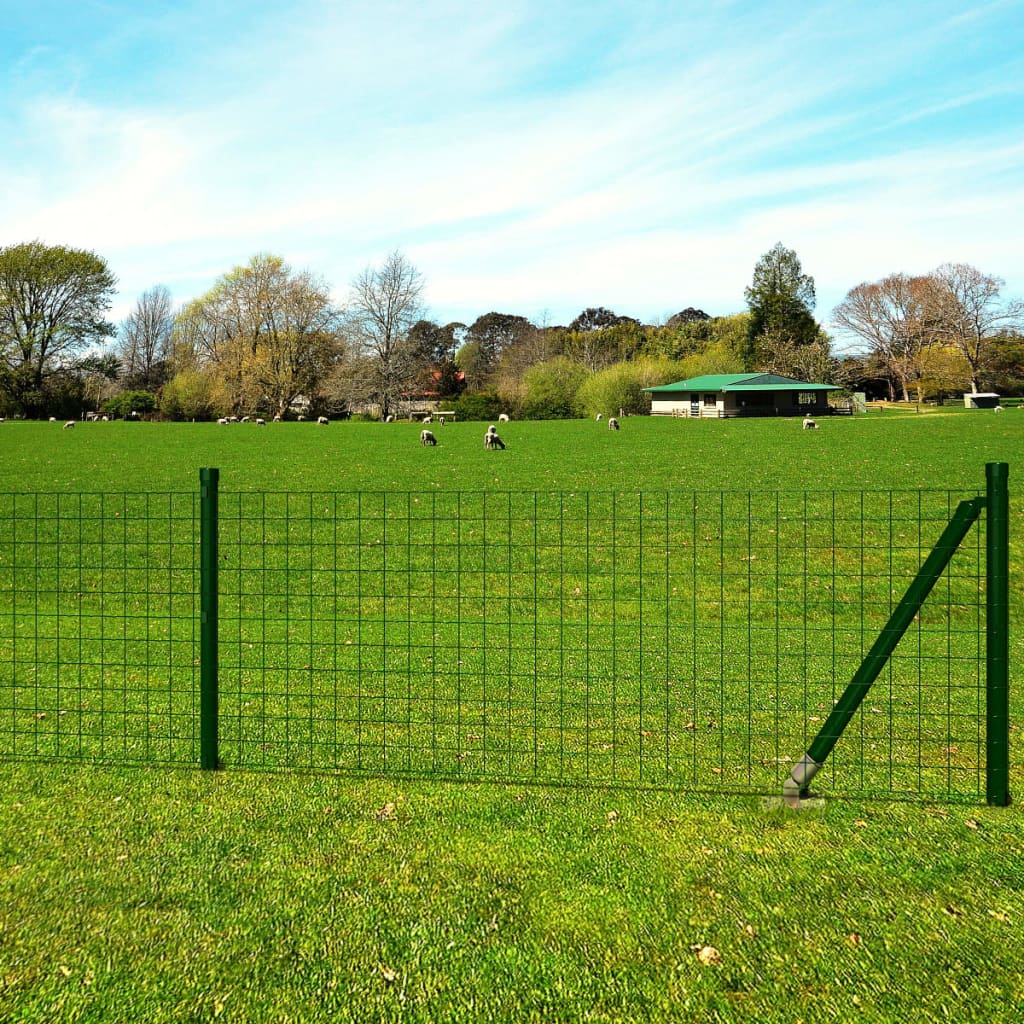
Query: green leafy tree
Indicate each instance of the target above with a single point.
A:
(487, 338)
(551, 389)
(188, 395)
(52, 305)
(781, 302)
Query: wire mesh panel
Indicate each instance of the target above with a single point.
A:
(681, 639)
(98, 597)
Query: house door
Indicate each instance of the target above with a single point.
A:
(695, 407)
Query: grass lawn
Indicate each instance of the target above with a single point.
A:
(165, 894)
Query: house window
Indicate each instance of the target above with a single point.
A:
(710, 400)
(806, 398)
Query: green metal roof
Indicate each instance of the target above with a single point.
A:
(742, 382)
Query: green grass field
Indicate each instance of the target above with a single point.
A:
(163, 894)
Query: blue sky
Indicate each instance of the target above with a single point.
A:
(528, 157)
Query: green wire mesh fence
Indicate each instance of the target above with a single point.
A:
(687, 639)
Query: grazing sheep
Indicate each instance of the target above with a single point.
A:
(323, 421)
(244, 419)
(613, 423)
(277, 418)
(599, 417)
(440, 419)
(106, 419)
(491, 440)
(69, 425)
(427, 419)
(389, 419)
(998, 408)
(809, 424)
(222, 422)
(260, 422)
(53, 419)
(503, 418)
(427, 437)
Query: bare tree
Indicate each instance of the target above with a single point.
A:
(966, 312)
(384, 306)
(145, 344)
(892, 316)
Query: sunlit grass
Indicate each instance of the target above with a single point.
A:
(165, 894)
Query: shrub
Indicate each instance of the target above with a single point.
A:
(622, 386)
(123, 405)
(483, 405)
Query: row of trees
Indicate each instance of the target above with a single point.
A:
(266, 335)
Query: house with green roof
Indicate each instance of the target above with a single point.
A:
(725, 395)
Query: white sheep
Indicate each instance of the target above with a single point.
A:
(427, 419)
(599, 417)
(323, 421)
(106, 419)
(245, 419)
(440, 419)
(53, 419)
(491, 440)
(222, 422)
(503, 418)
(69, 425)
(613, 423)
(998, 408)
(277, 418)
(260, 422)
(427, 437)
(809, 424)
(389, 419)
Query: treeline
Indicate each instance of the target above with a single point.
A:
(269, 340)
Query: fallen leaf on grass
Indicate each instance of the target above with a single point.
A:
(388, 974)
(613, 816)
(860, 824)
(707, 955)
(971, 823)
(999, 915)
(386, 813)
(853, 939)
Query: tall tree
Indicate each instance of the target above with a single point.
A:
(52, 305)
(145, 340)
(781, 300)
(596, 319)
(686, 316)
(965, 310)
(892, 316)
(384, 305)
(264, 333)
(487, 338)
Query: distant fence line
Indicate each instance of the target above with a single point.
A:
(688, 639)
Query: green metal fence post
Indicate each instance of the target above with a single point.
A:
(997, 635)
(208, 593)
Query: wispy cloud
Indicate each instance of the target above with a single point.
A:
(527, 156)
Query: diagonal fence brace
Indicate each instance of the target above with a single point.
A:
(934, 565)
